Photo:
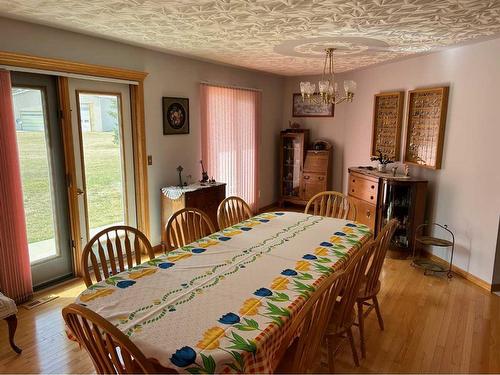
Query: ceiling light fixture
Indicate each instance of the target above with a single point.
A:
(328, 89)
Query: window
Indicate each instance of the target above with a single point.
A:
(230, 129)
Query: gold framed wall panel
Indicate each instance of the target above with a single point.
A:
(427, 110)
(387, 120)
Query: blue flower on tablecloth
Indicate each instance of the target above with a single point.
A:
(165, 265)
(351, 225)
(310, 257)
(229, 318)
(339, 234)
(263, 292)
(125, 283)
(183, 357)
(289, 272)
(326, 244)
(263, 220)
(198, 250)
(246, 229)
(224, 238)
(279, 213)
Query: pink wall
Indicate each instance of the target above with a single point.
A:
(465, 193)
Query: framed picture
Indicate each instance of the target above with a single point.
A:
(303, 108)
(427, 110)
(387, 119)
(175, 115)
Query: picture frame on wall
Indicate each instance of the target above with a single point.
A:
(175, 115)
(304, 108)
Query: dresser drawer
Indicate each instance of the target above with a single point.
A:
(363, 188)
(312, 184)
(365, 213)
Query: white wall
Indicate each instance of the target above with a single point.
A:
(465, 193)
(169, 75)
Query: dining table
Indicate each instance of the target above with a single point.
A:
(223, 304)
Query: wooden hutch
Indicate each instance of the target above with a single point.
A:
(380, 197)
(304, 172)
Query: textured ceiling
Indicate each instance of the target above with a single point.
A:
(280, 36)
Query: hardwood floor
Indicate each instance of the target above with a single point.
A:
(431, 325)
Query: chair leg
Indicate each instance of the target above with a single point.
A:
(379, 315)
(361, 325)
(12, 323)
(331, 354)
(353, 346)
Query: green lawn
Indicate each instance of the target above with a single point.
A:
(103, 175)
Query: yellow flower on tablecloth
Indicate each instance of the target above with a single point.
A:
(251, 223)
(335, 239)
(321, 251)
(208, 243)
(280, 283)
(302, 265)
(250, 307)
(211, 338)
(347, 230)
(134, 275)
(96, 294)
(177, 257)
(232, 233)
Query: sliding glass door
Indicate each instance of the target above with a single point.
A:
(104, 155)
(41, 157)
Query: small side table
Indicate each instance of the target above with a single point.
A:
(427, 264)
(8, 311)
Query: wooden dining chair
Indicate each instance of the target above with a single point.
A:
(370, 285)
(114, 250)
(342, 318)
(186, 226)
(308, 328)
(232, 210)
(111, 350)
(331, 204)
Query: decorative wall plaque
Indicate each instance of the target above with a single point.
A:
(387, 118)
(426, 120)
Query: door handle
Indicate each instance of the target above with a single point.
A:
(79, 191)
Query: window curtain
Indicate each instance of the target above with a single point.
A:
(15, 269)
(230, 119)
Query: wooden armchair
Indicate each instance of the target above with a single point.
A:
(111, 350)
(186, 226)
(8, 311)
(332, 204)
(232, 210)
(118, 249)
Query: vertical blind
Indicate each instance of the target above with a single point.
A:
(230, 119)
(15, 270)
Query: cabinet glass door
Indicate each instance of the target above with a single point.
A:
(292, 165)
(396, 204)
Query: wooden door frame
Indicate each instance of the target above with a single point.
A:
(138, 131)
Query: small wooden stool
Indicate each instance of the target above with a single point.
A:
(8, 311)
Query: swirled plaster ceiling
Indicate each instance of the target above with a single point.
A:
(285, 37)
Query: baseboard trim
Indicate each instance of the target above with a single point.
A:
(460, 272)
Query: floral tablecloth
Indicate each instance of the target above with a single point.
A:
(223, 303)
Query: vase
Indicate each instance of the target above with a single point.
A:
(381, 167)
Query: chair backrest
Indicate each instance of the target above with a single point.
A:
(232, 210)
(309, 326)
(354, 270)
(117, 249)
(111, 350)
(381, 245)
(186, 226)
(331, 204)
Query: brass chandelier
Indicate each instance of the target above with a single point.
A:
(328, 89)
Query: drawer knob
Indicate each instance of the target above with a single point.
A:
(321, 178)
(306, 177)
(371, 197)
(352, 191)
(353, 180)
(373, 186)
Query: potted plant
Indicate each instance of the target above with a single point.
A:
(383, 160)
